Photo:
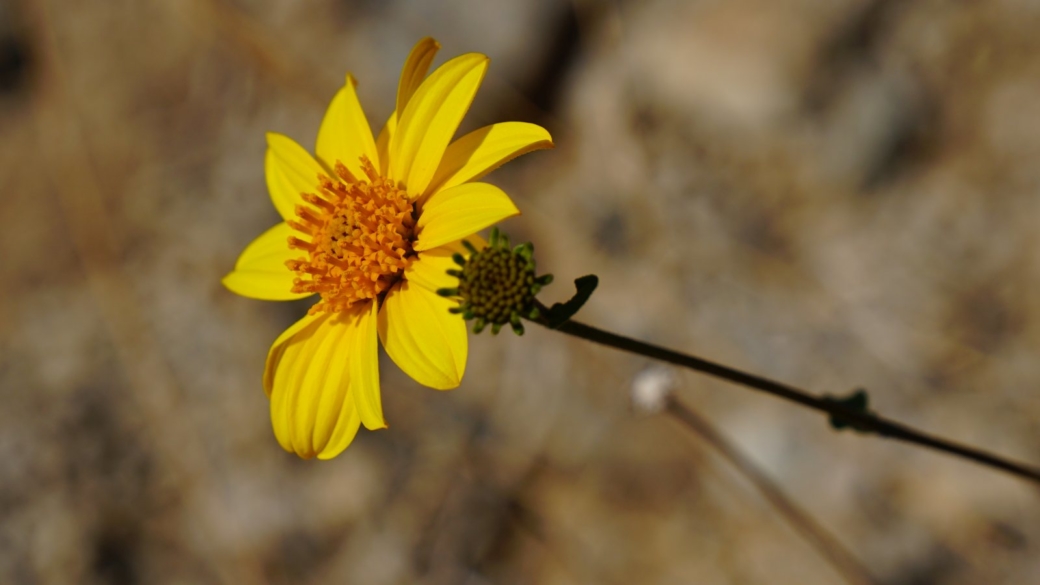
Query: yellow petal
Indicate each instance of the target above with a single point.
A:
(303, 378)
(318, 373)
(264, 286)
(346, 430)
(412, 75)
(414, 71)
(285, 356)
(455, 213)
(290, 170)
(363, 368)
(345, 135)
(267, 251)
(430, 268)
(278, 349)
(260, 272)
(482, 151)
(422, 337)
(274, 355)
(430, 119)
(383, 143)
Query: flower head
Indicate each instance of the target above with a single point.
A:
(497, 285)
(371, 226)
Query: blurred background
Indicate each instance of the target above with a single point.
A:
(833, 193)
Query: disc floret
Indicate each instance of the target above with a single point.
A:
(497, 285)
(359, 234)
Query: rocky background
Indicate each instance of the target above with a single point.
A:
(834, 193)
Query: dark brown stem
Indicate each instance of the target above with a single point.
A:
(864, 422)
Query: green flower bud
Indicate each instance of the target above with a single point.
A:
(497, 285)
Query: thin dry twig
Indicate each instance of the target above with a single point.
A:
(829, 547)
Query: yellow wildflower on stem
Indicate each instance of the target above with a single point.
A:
(371, 225)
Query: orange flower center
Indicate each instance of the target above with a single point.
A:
(359, 238)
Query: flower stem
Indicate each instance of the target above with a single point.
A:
(864, 422)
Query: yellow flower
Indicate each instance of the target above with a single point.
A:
(371, 226)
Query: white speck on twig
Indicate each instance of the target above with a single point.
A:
(651, 389)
